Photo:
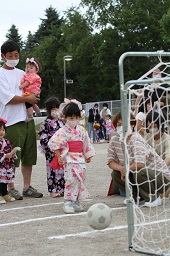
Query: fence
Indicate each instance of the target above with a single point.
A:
(113, 105)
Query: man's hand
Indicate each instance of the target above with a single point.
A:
(122, 172)
(32, 99)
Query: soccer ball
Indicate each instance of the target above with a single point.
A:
(99, 216)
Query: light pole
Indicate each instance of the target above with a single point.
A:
(66, 58)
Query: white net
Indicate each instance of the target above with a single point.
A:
(148, 160)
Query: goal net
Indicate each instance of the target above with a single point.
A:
(148, 198)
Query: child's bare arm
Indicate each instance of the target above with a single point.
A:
(24, 85)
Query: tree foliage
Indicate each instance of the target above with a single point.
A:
(95, 39)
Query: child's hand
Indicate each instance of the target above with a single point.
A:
(9, 155)
(60, 160)
(21, 86)
(88, 160)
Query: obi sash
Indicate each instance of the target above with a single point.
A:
(75, 146)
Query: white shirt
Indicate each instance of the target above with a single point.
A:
(9, 87)
(105, 112)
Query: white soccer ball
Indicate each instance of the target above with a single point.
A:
(99, 216)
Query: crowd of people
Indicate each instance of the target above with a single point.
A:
(67, 143)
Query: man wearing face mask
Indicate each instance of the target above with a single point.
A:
(12, 109)
(103, 113)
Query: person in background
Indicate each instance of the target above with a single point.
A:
(143, 110)
(103, 113)
(109, 127)
(92, 113)
(13, 110)
(97, 126)
(158, 139)
(82, 118)
(73, 148)
(6, 165)
(147, 170)
(31, 83)
(53, 122)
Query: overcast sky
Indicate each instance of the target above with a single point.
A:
(25, 15)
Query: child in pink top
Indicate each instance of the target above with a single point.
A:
(31, 83)
(109, 127)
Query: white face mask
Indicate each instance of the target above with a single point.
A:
(154, 130)
(119, 129)
(72, 123)
(11, 63)
(55, 114)
(157, 75)
(105, 108)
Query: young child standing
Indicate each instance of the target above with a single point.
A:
(109, 127)
(53, 122)
(97, 126)
(31, 83)
(6, 164)
(73, 148)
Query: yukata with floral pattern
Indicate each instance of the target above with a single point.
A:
(55, 178)
(6, 164)
(74, 162)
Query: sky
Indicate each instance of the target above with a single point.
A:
(26, 15)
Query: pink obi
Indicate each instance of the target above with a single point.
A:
(75, 146)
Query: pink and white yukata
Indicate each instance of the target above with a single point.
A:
(75, 148)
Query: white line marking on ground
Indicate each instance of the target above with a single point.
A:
(104, 230)
(48, 218)
(27, 207)
(87, 232)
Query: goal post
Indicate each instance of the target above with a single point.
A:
(148, 228)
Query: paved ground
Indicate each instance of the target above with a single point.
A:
(39, 226)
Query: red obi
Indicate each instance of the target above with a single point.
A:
(75, 146)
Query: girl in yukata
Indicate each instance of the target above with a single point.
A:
(7, 156)
(73, 148)
(53, 122)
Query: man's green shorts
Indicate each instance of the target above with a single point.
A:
(23, 135)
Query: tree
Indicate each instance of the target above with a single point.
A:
(30, 43)
(51, 23)
(13, 34)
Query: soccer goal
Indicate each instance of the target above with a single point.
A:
(148, 227)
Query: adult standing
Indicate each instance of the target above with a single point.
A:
(92, 113)
(103, 113)
(12, 109)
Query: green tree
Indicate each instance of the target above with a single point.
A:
(13, 34)
(51, 23)
(165, 24)
(30, 43)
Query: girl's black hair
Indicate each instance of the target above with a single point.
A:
(2, 125)
(97, 117)
(9, 46)
(71, 109)
(51, 103)
(156, 118)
